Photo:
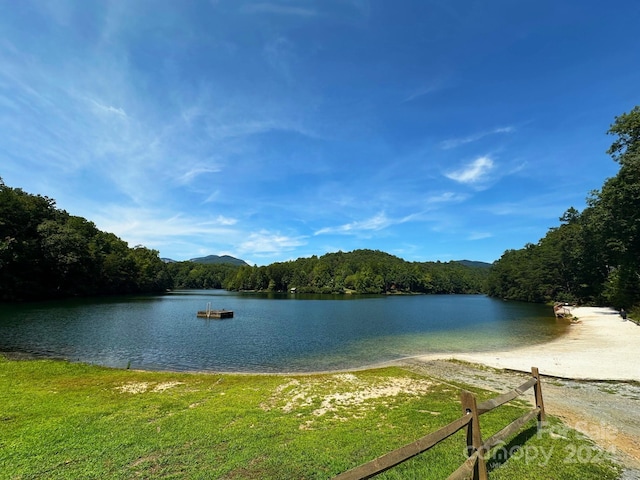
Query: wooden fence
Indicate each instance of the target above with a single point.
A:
(475, 466)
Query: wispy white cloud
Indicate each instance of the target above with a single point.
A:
(446, 197)
(143, 225)
(108, 109)
(421, 92)
(196, 170)
(213, 196)
(474, 172)
(430, 87)
(479, 236)
(456, 142)
(226, 221)
(265, 242)
(378, 222)
(192, 235)
(228, 127)
(279, 9)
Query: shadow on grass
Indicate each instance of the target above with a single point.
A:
(504, 452)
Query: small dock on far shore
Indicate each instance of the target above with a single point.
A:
(209, 313)
(561, 310)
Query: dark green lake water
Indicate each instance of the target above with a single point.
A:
(269, 333)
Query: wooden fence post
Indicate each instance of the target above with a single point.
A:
(474, 438)
(537, 389)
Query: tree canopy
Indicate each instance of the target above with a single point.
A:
(47, 253)
(360, 271)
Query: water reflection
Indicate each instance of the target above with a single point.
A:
(269, 332)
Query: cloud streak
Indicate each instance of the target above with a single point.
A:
(479, 236)
(279, 9)
(147, 223)
(107, 109)
(474, 173)
(378, 222)
(456, 142)
(264, 243)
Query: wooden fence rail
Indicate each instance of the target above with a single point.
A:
(475, 466)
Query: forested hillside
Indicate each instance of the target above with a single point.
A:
(189, 274)
(218, 259)
(47, 253)
(594, 255)
(361, 271)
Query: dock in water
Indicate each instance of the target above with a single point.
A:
(208, 313)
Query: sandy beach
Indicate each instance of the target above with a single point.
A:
(600, 345)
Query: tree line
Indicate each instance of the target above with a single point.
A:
(47, 253)
(359, 271)
(593, 256)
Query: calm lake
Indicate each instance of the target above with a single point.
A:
(269, 332)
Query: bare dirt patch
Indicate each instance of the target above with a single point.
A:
(161, 387)
(133, 387)
(143, 387)
(362, 393)
(343, 395)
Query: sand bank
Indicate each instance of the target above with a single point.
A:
(599, 346)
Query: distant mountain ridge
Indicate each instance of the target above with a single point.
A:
(228, 259)
(473, 263)
(216, 259)
(211, 260)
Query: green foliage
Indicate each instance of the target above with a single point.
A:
(196, 275)
(360, 271)
(47, 253)
(216, 259)
(627, 130)
(594, 256)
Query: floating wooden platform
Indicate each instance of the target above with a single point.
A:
(208, 313)
(215, 314)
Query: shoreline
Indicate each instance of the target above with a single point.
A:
(599, 345)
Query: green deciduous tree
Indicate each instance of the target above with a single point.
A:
(47, 253)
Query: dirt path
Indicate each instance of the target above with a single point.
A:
(607, 412)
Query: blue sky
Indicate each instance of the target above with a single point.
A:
(276, 129)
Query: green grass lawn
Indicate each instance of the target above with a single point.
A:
(71, 420)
